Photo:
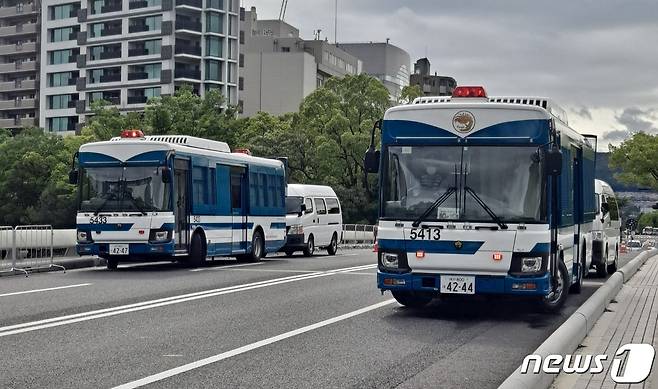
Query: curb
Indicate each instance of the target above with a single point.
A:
(68, 264)
(572, 332)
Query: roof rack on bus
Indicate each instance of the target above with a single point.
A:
(185, 140)
(554, 109)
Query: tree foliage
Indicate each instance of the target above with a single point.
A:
(409, 93)
(649, 219)
(637, 158)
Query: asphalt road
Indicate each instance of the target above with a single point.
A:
(286, 322)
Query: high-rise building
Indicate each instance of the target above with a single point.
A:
(431, 85)
(19, 52)
(281, 68)
(127, 51)
(384, 61)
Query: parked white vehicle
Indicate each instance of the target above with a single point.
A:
(314, 219)
(634, 245)
(606, 230)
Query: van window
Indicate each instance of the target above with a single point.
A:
(321, 208)
(614, 209)
(309, 205)
(332, 206)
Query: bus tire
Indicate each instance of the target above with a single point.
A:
(289, 253)
(411, 299)
(333, 246)
(602, 268)
(612, 268)
(310, 247)
(553, 303)
(112, 263)
(197, 255)
(257, 248)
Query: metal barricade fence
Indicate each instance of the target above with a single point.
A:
(355, 234)
(6, 248)
(32, 248)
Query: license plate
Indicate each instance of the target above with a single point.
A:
(119, 249)
(458, 284)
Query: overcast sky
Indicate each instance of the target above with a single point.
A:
(596, 58)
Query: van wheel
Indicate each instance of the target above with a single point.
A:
(112, 263)
(257, 248)
(578, 286)
(411, 299)
(554, 301)
(602, 268)
(310, 247)
(197, 255)
(333, 246)
(612, 268)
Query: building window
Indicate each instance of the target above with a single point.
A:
(240, 83)
(153, 47)
(213, 70)
(62, 79)
(58, 124)
(61, 101)
(285, 49)
(63, 34)
(241, 60)
(214, 22)
(63, 11)
(216, 4)
(58, 57)
(214, 46)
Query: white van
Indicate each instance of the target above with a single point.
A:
(314, 218)
(606, 230)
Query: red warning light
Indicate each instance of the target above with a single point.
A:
(469, 91)
(132, 134)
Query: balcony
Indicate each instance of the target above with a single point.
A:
(27, 28)
(138, 4)
(109, 31)
(137, 99)
(18, 122)
(138, 28)
(110, 54)
(188, 25)
(18, 48)
(18, 85)
(110, 77)
(115, 7)
(22, 9)
(113, 100)
(18, 104)
(139, 52)
(190, 50)
(18, 67)
(188, 73)
(138, 76)
(190, 3)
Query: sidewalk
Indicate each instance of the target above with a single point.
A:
(630, 318)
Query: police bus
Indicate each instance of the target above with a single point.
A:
(176, 197)
(482, 195)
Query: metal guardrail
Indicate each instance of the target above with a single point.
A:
(354, 234)
(31, 247)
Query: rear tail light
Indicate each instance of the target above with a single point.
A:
(469, 91)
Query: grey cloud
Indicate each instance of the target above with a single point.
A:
(583, 112)
(616, 135)
(636, 119)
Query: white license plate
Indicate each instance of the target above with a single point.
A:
(458, 284)
(119, 249)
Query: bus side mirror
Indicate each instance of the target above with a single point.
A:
(605, 208)
(553, 161)
(371, 160)
(73, 176)
(166, 175)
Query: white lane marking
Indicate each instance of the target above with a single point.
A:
(276, 270)
(107, 312)
(227, 267)
(44, 289)
(252, 346)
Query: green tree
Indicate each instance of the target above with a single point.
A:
(637, 158)
(409, 93)
(649, 219)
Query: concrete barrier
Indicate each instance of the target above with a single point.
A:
(571, 333)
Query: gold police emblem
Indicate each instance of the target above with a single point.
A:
(463, 121)
(458, 244)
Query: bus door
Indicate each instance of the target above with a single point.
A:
(181, 205)
(238, 209)
(578, 206)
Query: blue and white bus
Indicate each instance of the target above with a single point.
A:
(176, 197)
(482, 195)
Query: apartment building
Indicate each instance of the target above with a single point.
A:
(431, 85)
(127, 51)
(19, 52)
(280, 68)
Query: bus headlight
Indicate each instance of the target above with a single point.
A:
(597, 235)
(84, 236)
(390, 260)
(160, 236)
(531, 264)
(296, 229)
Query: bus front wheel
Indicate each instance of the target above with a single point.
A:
(197, 251)
(554, 301)
(411, 299)
(112, 263)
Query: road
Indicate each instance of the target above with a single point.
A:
(285, 322)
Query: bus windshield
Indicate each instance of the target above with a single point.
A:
(131, 189)
(508, 180)
(294, 204)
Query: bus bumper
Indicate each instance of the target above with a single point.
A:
(135, 249)
(528, 286)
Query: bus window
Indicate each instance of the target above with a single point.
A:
(319, 204)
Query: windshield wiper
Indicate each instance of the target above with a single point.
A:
(135, 203)
(491, 213)
(435, 205)
(111, 195)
